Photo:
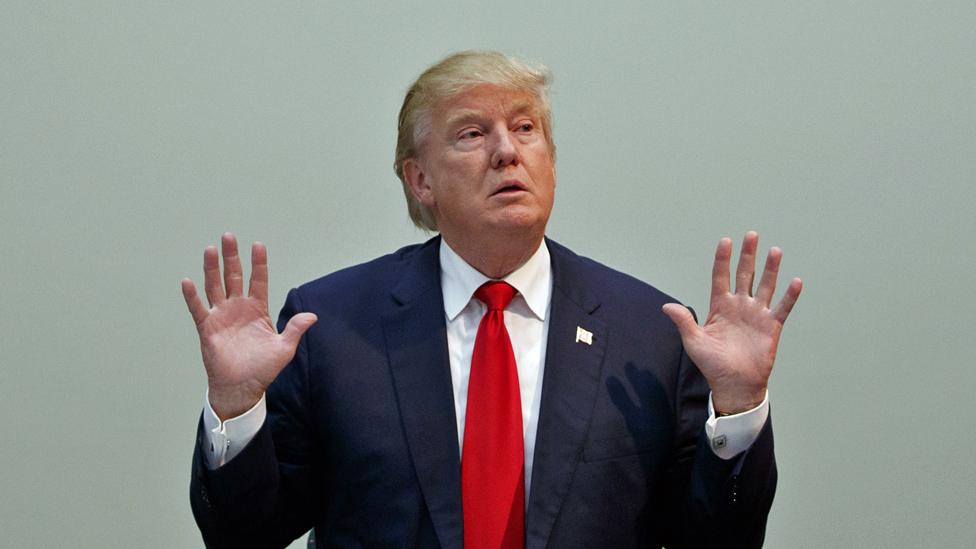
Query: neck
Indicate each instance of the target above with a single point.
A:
(495, 256)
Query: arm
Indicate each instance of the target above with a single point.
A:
(261, 496)
(732, 354)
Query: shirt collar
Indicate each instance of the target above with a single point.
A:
(459, 280)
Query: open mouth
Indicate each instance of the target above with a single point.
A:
(509, 188)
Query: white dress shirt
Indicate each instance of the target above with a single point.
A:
(527, 321)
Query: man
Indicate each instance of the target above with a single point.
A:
(488, 388)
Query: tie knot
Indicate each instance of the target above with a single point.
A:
(495, 294)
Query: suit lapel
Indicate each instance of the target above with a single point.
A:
(570, 385)
(416, 342)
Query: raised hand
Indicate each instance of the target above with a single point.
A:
(736, 347)
(242, 351)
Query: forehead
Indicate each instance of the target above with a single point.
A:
(486, 100)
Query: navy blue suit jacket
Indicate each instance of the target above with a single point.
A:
(361, 439)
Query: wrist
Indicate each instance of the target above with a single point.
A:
(725, 404)
(228, 403)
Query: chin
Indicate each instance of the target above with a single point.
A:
(521, 223)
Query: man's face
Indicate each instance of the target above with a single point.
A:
(486, 167)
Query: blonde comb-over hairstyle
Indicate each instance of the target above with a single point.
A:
(448, 77)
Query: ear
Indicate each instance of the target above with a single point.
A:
(416, 178)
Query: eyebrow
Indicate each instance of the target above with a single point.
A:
(464, 116)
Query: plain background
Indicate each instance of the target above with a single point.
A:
(133, 134)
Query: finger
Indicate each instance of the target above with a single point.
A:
(197, 309)
(788, 301)
(233, 276)
(767, 284)
(746, 270)
(683, 319)
(720, 269)
(211, 276)
(296, 327)
(258, 286)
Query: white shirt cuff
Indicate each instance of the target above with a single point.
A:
(729, 436)
(226, 439)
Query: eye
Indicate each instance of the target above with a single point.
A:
(526, 127)
(470, 134)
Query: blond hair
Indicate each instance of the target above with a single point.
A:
(446, 78)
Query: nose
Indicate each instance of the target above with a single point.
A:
(504, 149)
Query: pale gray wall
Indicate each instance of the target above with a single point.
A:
(132, 135)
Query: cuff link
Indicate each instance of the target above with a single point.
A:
(719, 442)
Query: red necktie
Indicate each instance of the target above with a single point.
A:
(492, 461)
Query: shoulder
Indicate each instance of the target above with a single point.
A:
(370, 282)
(606, 284)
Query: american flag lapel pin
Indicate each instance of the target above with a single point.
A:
(584, 336)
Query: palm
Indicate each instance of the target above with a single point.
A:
(738, 339)
(242, 351)
(238, 342)
(736, 347)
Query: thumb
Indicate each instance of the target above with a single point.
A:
(682, 318)
(297, 326)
